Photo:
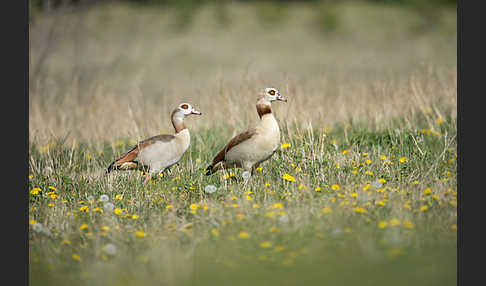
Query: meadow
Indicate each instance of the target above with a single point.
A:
(362, 190)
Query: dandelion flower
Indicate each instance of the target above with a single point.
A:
(403, 160)
(35, 191)
(424, 208)
(76, 257)
(277, 206)
(273, 229)
(335, 187)
(193, 208)
(83, 226)
(210, 189)
(382, 224)
(140, 234)
(265, 244)
(407, 224)
(326, 210)
(394, 222)
(243, 235)
(118, 211)
(365, 154)
(288, 177)
(285, 145)
(215, 232)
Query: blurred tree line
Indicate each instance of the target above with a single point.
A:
(48, 5)
(327, 14)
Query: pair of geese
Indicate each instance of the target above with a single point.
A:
(246, 150)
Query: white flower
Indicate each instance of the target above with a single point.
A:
(37, 227)
(210, 189)
(246, 175)
(337, 232)
(90, 198)
(284, 218)
(110, 249)
(104, 198)
(377, 184)
(46, 231)
(108, 206)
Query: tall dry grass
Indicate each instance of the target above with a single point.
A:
(113, 72)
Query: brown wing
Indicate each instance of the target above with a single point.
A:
(131, 155)
(232, 143)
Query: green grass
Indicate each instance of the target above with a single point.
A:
(310, 246)
(363, 81)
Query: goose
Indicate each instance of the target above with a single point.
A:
(249, 149)
(159, 152)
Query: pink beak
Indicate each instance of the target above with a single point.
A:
(193, 111)
(281, 98)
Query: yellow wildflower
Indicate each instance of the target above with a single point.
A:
(285, 145)
(140, 234)
(382, 224)
(335, 187)
(273, 229)
(394, 222)
(83, 226)
(265, 244)
(407, 224)
(360, 210)
(243, 235)
(326, 210)
(288, 177)
(403, 160)
(77, 258)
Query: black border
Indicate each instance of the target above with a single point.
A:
(15, 141)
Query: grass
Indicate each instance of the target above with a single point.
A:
(369, 136)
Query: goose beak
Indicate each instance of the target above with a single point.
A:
(193, 111)
(281, 98)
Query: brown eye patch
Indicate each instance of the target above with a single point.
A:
(184, 106)
(272, 92)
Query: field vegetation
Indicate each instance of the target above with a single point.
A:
(362, 190)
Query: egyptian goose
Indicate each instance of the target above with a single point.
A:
(250, 148)
(159, 152)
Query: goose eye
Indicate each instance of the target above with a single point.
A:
(184, 106)
(272, 92)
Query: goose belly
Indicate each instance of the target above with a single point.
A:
(253, 151)
(160, 155)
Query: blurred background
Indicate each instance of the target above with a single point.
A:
(128, 63)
